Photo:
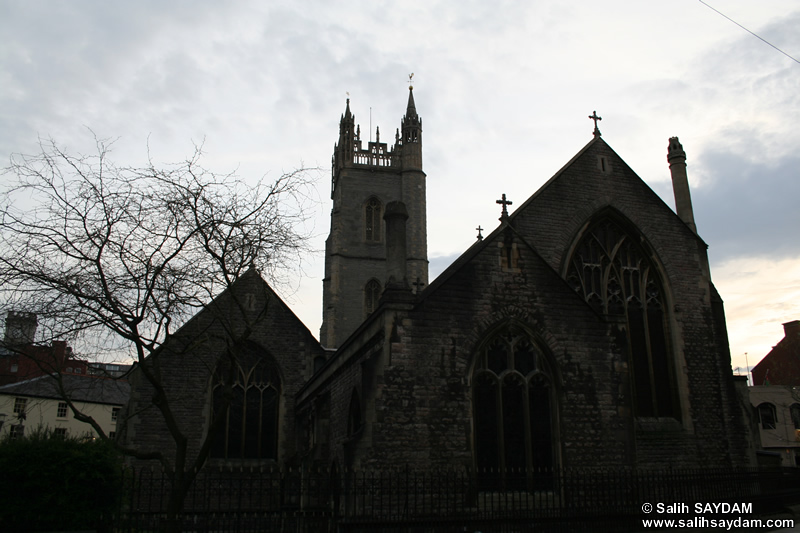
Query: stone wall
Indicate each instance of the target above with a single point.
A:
(186, 368)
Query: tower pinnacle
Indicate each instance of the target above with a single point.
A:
(411, 109)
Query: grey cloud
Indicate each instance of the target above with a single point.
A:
(751, 209)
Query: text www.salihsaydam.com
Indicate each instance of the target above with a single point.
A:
(726, 523)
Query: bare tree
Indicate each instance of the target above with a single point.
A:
(120, 257)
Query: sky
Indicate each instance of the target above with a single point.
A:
(504, 89)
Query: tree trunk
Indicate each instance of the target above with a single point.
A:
(177, 497)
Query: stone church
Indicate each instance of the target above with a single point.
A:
(583, 331)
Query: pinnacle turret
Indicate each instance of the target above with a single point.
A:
(411, 108)
(347, 113)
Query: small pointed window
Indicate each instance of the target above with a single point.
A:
(372, 220)
(372, 293)
(354, 415)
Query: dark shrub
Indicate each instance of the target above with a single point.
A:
(52, 483)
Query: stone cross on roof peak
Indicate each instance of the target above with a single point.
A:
(505, 203)
(594, 117)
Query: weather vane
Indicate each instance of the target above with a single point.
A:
(411, 80)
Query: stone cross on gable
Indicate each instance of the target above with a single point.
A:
(505, 203)
(594, 117)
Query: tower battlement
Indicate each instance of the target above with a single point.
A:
(349, 151)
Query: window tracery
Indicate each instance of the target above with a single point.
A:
(513, 409)
(612, 272)
(250, 426)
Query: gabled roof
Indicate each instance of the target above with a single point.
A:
(234, 288)
(78, 388)
(475, 249)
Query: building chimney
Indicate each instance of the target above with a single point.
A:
(680, 183)
(20, 328)
(791, 329)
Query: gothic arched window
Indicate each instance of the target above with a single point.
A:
(372, 293)
(250, 426)
(372, 220)
(513, 404)
(612, 272)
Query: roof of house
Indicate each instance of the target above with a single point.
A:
(78, 388)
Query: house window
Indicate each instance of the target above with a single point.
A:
(17, 432)
(372, 220)
(249, 427)
(372, 294)
(514, 410)
(62, 410)
(19, 406)
(115, 413)
(611, 270)
(767, 415)
(795, 412)
(60, 432)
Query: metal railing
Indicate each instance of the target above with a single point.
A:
(284, 499)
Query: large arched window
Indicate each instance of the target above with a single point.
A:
(372, 220)
(250, 426)
(612, 272)
(372, 294)
(513, 403)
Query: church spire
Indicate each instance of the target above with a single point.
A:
(411, 108)
(347, 113)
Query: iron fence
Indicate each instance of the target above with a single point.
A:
(285, 499)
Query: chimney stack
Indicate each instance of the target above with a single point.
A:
(680, 183)
(791, 329)
(20, 328)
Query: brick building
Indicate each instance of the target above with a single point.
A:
(583, 331)
(781, 366)
(21, 359)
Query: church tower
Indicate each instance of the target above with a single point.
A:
(364, 181)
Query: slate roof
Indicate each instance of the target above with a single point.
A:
(79, 388)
